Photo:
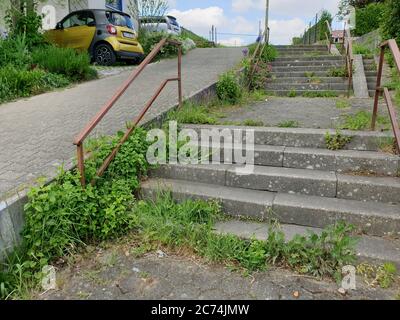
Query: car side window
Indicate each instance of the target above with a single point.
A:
(79, 19)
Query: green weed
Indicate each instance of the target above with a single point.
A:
(320, 94)
(228, 88)
(253, 123)
(289, 124)
(343, 104)
(336, 142)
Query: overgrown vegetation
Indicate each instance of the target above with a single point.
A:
(338, 72)
(229, 89)
(289, 124)
(383, 276)
(320, 94)
(29, 65)
(343, 104)
(190, 225)
(336, 142)
(362, 120)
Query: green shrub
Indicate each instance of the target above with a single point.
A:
(369, 18)
(200, 41)
(359, 49)
(391, 20)
(15, 51)
(149, 40)
(15, 83)
(228, 88)
(193, 114)
(68, 62)
(269, 54)
(336, 142)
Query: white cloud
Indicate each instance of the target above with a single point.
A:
(282, 31)
(200, 20)
(295, 8)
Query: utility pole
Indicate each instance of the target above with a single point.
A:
(266, 20)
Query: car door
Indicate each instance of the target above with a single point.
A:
(78, 31)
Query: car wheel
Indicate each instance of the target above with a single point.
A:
(104, 55)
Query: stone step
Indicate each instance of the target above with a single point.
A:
(306, 46)
(331, 64)
(298, 74)
(302, 69)
(287, 180)
(315, 80)
(307, 86)
(305, 137)
(368, 249)
(306, 93)
(299, 53)
(374, 219)
(309, 59)
(340, 161)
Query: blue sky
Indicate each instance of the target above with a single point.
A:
(288, 18)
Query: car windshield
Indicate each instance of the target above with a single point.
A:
(173, 21)
(119, 20)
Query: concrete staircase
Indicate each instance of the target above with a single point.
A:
(297, 181)
(299, 70)
(371, 72)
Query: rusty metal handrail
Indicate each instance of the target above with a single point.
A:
(394, 48)
(348, 46)
(79, 140)
(255, 59)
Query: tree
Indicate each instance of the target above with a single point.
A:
(391, 20)
(148, 8)
(344, 5)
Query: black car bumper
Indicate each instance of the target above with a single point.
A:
(125, 55)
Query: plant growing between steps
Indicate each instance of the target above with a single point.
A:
(289, 124)
(337, 141)
(383, 276)
(320, 94)
(338, 72)
(362, 121)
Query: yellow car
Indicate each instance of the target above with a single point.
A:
(107, 35)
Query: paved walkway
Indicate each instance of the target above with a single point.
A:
(36, 134)
(116, 275)
(320, 113)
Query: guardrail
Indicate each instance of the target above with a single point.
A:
(80, 139)
(348, 47)
(392, 45)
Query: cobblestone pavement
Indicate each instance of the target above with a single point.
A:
(36, 134)
(308, 112)
(113, 274)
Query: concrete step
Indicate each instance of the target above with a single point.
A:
(305, 93)
(302, 69)
(370, 73)
(340, 161)
(315, 63)
(368, 249)
(305, 137)
(293, 54)
(374, 219)
(310, 59)
(286, 180)
(298, 74)
(306, 46)
(314, 80)
(307, 86)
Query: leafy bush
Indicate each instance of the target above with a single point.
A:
(68, 62)
(200, 41)
(23, 83)
(228, 88)
(359, 49)
(391, 20)
(15, 51)
(336, 142)
(193, 114)
(369, 18)
(149, 40)
(269, 54)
